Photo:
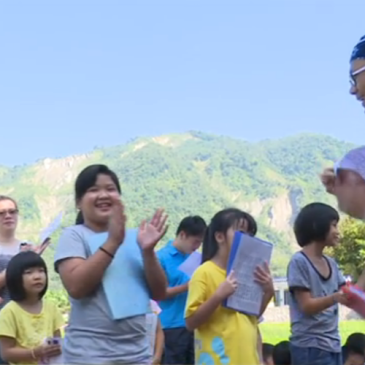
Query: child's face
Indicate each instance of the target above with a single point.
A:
(34, 280)
(97, 204)
(269, 361)
(333, 236)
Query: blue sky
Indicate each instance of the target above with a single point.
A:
(76, 74)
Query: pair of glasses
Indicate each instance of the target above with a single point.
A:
(354, 74)
(12, 212)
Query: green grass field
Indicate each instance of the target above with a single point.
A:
(276, 332)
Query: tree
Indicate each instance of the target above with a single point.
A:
(350, 253)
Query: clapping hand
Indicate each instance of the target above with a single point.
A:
(264, 279)
(328, 180)
(151, 232)
(117, 222)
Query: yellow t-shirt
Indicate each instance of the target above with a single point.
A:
(229, 337)
(28, 329)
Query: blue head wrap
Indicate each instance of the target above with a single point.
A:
(359, 50)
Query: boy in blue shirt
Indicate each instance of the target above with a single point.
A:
(179, 342)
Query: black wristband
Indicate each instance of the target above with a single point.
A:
(106, 252)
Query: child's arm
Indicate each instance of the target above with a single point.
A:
(300, 286)
(198, 310)
(266, 299)
(311, 306)
(176, 290)
(159, 343)
(203, 313)
(13, 354)
(259, 345)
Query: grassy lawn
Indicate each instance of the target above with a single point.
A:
(276, 332)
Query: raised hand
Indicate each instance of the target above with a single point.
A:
(328, 180)
(151, 232)
(37, 249)
(264, 279)
(228, 287)
(42, 247)
(117, 222)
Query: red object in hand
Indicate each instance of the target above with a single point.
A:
(356, 298)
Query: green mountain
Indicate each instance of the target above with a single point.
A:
(191, 173)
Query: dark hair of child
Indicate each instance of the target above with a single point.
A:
(221, 222)
(267, 351)
(313, 223)
(87, 179)
(251, 223)
(192, 226)
(281, 353)
(355, 345)
(15, 270)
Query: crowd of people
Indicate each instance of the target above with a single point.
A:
(185, 321)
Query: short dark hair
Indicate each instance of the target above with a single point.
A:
(267, 351)
(281, 353)
(313, 223)
(251, 224)
(192, 226)
(14, 274)
(355, 344)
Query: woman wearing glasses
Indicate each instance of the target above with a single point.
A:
(9, 244)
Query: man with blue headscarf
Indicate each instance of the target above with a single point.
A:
(357, 71)
(342, 186)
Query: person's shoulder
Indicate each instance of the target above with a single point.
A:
(77, 229)
(164, 252)
(74, 233)
(10, 308)
(297, 257)
(204, 269)
(50, 306)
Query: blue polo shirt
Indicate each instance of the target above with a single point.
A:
(172, 310)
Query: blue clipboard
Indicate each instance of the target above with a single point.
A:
(249, 308)
(124, 280)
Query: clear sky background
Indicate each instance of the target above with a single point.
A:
(75, 74)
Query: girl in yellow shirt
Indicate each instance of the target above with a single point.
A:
(223, 336)
(29, 325)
